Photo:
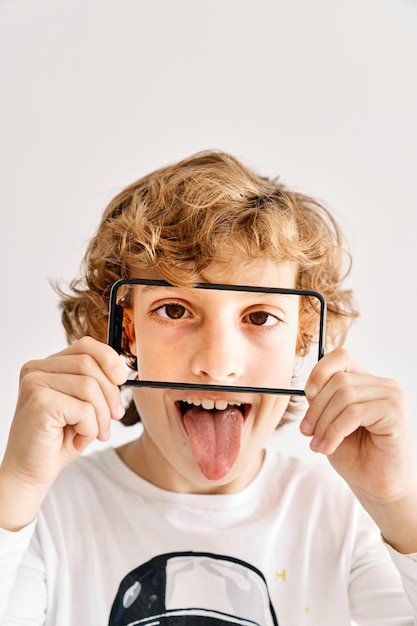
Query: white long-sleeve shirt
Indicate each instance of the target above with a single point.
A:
(293, 548)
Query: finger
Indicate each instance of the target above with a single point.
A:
(344, 389)
(90, 392)
(339, 360)
(49, 430)
(106, 357)
(379, 409)
(83, 425)
(83, 366)
(349, 421)
(85, 389)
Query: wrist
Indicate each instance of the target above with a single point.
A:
(400, 531)
(397, 520)
(19, 501)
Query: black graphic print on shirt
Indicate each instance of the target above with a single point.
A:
(193, 589)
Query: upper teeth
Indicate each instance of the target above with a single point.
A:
(220, 405)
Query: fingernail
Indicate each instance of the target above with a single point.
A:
(315, 443)
(311, 391)
(306, 427)
(120, 411)
(106, 436)
(120, 375)
(318, 445)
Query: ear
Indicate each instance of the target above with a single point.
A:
(129, 329)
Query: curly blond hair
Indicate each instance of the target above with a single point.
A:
(178, 219)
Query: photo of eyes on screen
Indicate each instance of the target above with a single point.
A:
(255, 338)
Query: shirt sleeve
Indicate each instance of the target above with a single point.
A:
(382, 590)
(406, 565)
(22, 579)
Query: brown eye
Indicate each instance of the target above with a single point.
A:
(261, 318)
(172, 311)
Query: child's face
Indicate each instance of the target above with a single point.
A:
(203, 440)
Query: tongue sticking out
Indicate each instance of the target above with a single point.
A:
(215, 438)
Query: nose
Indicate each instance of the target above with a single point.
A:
(218, 353)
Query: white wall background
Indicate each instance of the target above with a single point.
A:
(95, 93)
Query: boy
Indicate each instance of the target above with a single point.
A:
(200, 520)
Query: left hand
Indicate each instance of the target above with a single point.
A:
(360, 422)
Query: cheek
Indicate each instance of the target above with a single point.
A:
(145, 362)
(275, 366)
(159, 363)
(149, 402)
(152, 357)
(163, 355)
(276, 407)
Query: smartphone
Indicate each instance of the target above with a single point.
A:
(308, 304)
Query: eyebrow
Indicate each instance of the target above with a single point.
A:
(241, 290)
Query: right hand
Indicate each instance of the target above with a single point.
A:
(65, 402)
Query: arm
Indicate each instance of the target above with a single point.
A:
(359, 421)
(65, 402)
(407, 567)
(17, 582)
(377, 589)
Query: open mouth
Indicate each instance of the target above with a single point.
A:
(214, 428)
(213, 405)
